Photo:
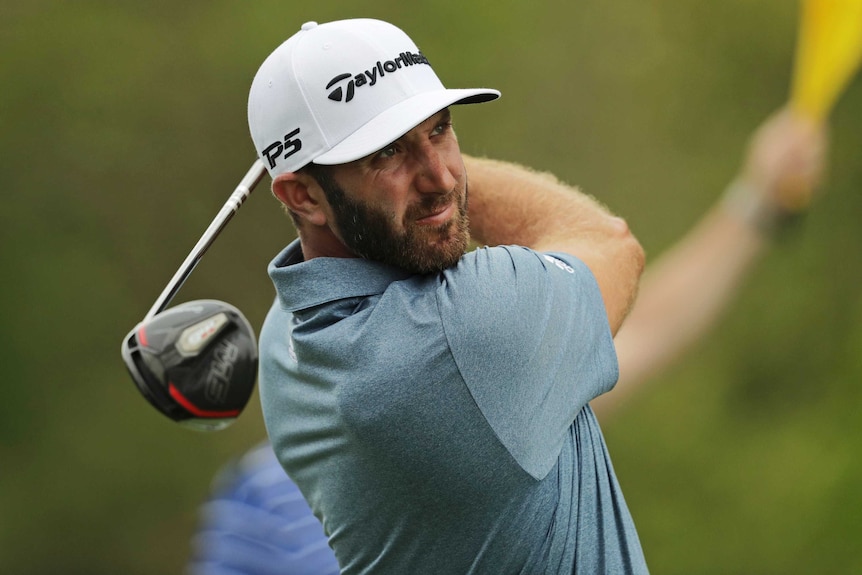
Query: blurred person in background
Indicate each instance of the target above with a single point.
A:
(256, 521)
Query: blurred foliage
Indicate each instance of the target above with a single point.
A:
(123, 130)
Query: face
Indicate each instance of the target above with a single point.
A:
(405, 205)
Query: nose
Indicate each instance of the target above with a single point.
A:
(433, 175)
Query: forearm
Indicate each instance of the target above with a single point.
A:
(510, 204)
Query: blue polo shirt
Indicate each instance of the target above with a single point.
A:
(440, 423)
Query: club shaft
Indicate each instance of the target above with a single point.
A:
(234, 202)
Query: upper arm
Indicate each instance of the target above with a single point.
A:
(529, 335)
(615, 258)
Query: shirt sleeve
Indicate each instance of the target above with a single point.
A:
(530, 336)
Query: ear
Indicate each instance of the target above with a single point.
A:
(301, 195)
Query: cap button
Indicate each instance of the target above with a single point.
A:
(309, 25)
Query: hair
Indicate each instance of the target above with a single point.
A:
(322, 175)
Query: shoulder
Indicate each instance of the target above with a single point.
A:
(515, 267)
(491, 288)
(514, 312)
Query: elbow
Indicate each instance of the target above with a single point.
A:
(630, 244)
(639, 255)
(633, 262)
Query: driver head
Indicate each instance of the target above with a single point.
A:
(195, 362)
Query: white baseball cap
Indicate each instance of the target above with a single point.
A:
(336, 92)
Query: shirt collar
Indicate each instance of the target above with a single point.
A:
(303, 284)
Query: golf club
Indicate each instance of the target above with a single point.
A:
(197, 362)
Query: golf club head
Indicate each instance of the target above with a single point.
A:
(195, 362)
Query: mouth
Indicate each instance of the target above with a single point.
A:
(438, 216)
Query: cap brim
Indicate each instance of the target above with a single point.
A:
(398, 120)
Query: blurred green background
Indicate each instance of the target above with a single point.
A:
(123, 130)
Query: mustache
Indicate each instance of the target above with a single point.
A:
(431, 205)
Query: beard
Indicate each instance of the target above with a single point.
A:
(369, 231)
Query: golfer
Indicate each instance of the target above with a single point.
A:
(432, 404)
(256, 523)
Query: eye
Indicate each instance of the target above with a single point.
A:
(388, 151)
(442, 128)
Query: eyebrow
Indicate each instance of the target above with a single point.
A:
(444, 115)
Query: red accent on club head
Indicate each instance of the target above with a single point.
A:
(195, 410)
(142, 337)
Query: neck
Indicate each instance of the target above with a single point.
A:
(320, 242)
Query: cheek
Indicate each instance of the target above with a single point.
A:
(390, 197)
(455, 163)
(387, 210)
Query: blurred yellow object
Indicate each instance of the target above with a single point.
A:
(828, 52)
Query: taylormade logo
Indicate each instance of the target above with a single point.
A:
(345, 92)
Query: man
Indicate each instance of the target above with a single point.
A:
(432, 405)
